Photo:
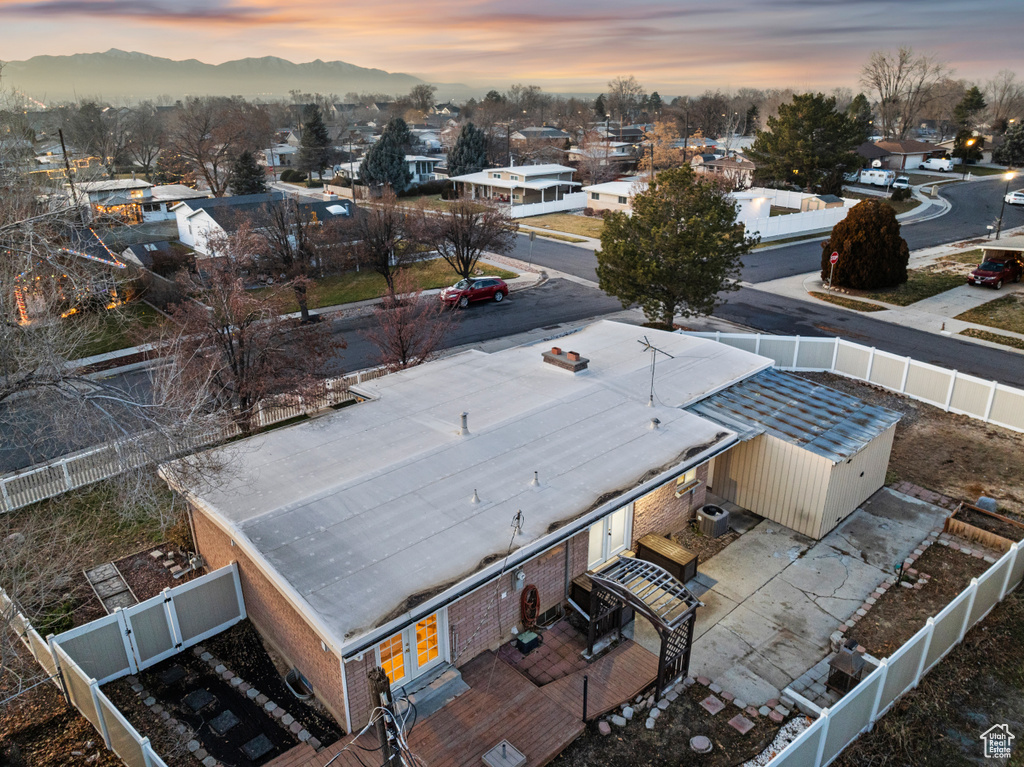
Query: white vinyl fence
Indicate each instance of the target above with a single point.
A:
(859, 709)
(792, 223)
(85, 467)
(128, 641)
(571, 201)
(955, 392)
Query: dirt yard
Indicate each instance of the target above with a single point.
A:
(950, 454)
(901, 612)
(692, 539)
(978, 685)
(668, 744)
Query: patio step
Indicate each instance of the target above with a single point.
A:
(434, 691)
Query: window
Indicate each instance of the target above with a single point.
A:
(622, 201)
(514, 178)
(609, 536)
(595, 196)
(516, 197)
(495, 175)
(687, 483)
(415, 649)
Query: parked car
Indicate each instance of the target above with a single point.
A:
(901, 182)
(937, 163)
(1015, 198)
(996, 270)
(464, 292)
(852, 178)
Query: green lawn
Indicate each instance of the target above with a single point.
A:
(584, 226)
(969, 257)
(974, 170)
(900, 207)
(117, 328)
(366, 284)
(919, 285)
(847, 303)
(1006, 313)
(560, 236)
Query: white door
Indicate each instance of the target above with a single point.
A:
(415, 649)
(609, 536)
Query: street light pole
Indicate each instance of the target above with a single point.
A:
(1002, 208)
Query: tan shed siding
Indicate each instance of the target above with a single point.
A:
(775, 479)
(847, 489)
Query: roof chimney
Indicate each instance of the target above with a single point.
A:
(566, 360)
(465, 425)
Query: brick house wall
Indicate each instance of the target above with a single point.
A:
(277, 621)
(660, 512)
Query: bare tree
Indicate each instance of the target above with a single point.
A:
(467, 231)
(409, 328)
(99, 130)
(146, 137)
(1005, 96)
(237, 347)
(624, 98)
(903, 81)
(386, 235)
(596, 161)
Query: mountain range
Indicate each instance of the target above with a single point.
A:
(121, 76)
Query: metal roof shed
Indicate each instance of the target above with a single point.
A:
(810, 455)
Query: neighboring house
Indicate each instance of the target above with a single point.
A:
(279, 156)
(549, 185)
(907, 155)
(991, 143)
(134, 201)
(873, 153)
(602, 154)
(539, 144)
(390, 534)
(821, 202)
(199, 221)
(421, 168)
(613, 195)
(448, 110)
(737, 170)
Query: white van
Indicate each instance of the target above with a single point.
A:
(877, 177)
(937, 163)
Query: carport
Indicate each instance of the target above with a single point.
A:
(808, 456)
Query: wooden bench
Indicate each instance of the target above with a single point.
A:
(666, 553)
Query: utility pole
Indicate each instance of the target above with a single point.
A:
(380, 696)
(652, 163)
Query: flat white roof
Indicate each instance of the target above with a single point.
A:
(1006, 243)
(620, 188)
(367, 512)
(484, 178)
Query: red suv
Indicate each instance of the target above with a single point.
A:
(995, 271)
(476, 289)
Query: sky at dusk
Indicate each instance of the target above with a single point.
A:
(674, 46)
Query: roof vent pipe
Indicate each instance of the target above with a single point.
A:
(465, 424)
(655, 423)
(475, 498)
(536, 480)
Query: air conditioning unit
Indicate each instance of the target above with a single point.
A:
(713, 521)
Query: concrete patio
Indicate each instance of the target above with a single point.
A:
(773, 597)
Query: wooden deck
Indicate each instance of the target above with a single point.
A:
(502, 704)
(612, 680)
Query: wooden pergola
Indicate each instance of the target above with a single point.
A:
(655, 594)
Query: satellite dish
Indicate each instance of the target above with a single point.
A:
(876, 163)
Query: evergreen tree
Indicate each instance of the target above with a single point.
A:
(599, 110)
(809, 144)
(678, 251)
(968, 147)
(970, 105)
(469, 155)
(1011, 151)
(654, 104)
(384, 163)
(860, 112)
(315, 146)
(247, 177)
(872, 254)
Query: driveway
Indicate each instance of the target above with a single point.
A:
(773, 597)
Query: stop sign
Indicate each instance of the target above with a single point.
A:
(834, 258)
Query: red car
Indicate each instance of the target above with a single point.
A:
(463, 292)
(995, 271)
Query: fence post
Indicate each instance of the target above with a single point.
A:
(7, 498)
(172, 618)
(930, 625)
(147, 752)
(970, 606)
(871, 364)
(60, 672)
(884, 666)
(718, 336)
(824, 734)
(238, 590)
(757, 344)
(95, 690)
(991, 400)
(126, 637)
(1015, 550)
(67, 474)
(906, 374)
(835, 355)
(796, 352)
(949, 394)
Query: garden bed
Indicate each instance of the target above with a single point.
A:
(705, 547)
(668, 744)
(901, 612)
(146, 575)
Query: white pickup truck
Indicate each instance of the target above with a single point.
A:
(936, 163)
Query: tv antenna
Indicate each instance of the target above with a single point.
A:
(655, 351)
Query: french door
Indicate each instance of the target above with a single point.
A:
(414, 650)
(610, 536)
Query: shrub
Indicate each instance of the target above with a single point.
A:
(872, 254)
(292, 176)
(899, 195)
(437, 186)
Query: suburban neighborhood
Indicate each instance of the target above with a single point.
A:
(353, 417)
